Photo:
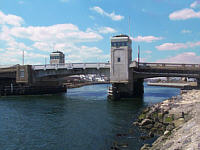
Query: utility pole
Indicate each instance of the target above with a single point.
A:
(138, 55)
(45, 61)
(23, 57)
(129, 22)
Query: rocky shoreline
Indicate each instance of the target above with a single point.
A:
(176, 121)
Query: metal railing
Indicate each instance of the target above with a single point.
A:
(6, 66)
(71, 66)
(165, 65)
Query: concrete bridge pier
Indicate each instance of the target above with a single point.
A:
(128, 90)
(138, 88)
(121, 75)
(198, 83)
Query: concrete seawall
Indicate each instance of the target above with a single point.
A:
(175, 120)
(176, 85)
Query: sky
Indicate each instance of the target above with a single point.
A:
(166, 30)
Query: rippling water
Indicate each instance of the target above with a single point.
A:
(81, 119)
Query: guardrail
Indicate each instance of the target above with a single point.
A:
(6, 66)
(165, 65)
(71, 66)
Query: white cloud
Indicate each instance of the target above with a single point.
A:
(112, 15)
(18, 45)
(88, 54)
(55, 33)
(148, 39)
(106, 30)
(10, 19)
(148, 52)
(14, 56)
(195, 4)
(187, 58)
(177, 46)
(44, 39)
(184, 14)
(186, 31)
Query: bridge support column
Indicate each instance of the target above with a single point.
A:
(138, 88)
(198, 83)
(129, 90)
(124, 85)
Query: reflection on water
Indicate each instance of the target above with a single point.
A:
(80, 119)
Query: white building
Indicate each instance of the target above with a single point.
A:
(121, 57)
(57, 57)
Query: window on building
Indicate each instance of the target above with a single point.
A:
(21, 73)
(118, 59)
(119, 44)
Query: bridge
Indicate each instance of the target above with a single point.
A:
(126, 76)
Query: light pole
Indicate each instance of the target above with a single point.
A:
(22, 57)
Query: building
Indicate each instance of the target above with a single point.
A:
(57, 57)
(121, 57)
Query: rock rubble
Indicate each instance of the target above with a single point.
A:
(176, 121)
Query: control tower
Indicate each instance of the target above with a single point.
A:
(57, 57)
(121, 57)
(121, 75)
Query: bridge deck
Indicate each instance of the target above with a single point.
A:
(71, 66)
(161, 66)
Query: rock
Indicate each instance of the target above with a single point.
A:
(146, 122)
(145, 147)
(136, 123)
(168, 119)
(114, 148)
(170, 127)
(146, 110)
(123, 145)
(144, 137)
(151, 134)
(160, 117)
(158, 125)
(177, 115)
(142, 116)
(167, 133)
(148, 126)
(179, 122)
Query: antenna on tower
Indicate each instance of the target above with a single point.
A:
(23, 57)
(129, 25)
(54, 46)
(138, 55)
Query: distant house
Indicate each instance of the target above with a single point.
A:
(57, 57)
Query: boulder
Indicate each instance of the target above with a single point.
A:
(168, 119)
(145, 147)
(170, 127)
(146, 122)
(167, 133)
(179, 122)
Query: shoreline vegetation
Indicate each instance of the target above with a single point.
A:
(176, 121)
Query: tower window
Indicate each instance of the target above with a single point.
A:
(118, 59)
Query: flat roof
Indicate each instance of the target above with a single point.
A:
(58, 52)
(121, 35)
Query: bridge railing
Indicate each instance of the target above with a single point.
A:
(71, 66)
(6, 66)
(167, 65)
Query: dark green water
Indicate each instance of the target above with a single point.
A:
(82, 119)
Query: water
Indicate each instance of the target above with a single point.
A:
(82, 119)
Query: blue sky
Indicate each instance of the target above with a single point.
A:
(166, 30)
